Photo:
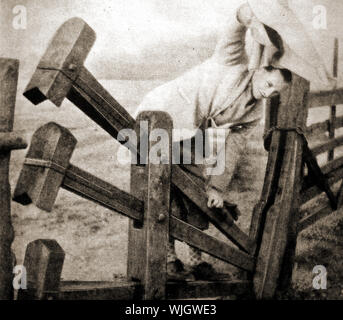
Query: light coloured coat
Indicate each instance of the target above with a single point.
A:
(207, 89)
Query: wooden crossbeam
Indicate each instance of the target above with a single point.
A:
(331, 144)
(275, 146)
(11, 141)
(122, 290)
(224, 223)
(323, 127)
(322, 211)
(333, 172)
(196, 238)
(277, 249)
(9, 69)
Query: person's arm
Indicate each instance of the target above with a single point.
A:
(230, 48)
(235, 145)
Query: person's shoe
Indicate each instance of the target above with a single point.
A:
(177, 272)
(205, 271)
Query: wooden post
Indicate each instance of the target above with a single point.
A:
(8, 90)
(43, 262)
(147, 247)
(279, 234)
(333, 107)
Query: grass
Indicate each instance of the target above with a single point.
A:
(95, 239)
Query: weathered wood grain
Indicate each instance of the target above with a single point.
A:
(43, 262)
(196, 238)
(151, 254)
(276, 254)
(8, 87)
(11, 141)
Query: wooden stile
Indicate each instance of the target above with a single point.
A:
(269, 247)
(279, 234)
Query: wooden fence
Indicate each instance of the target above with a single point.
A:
(266, 254)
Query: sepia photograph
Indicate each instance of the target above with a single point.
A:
(171, 150)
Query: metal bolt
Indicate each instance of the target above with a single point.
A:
(161, 217)
(72, 67)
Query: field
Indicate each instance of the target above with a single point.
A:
(95, 239)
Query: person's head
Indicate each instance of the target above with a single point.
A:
(270, 81)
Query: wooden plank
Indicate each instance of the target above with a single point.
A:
(312, 192)
(318, 128)
(8, 90)
(325, 98)
(11, 141)
(279, 235)
(94, 100)
(323, 147)
(92, 188)
(224, 223)
(275, 235)
(43, 262)
(322, 127)
(196, 238)
(155, 232)
(323, 210)
(275, 147)
(157, 202)
(121, 290)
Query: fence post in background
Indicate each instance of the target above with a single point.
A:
(332, 120)
(147, 247)
(8, 89)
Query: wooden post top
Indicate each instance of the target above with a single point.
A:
(54, 145)
(66, 53)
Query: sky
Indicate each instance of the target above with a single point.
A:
(143, 38)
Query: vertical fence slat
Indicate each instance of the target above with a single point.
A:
(333, 107)
(43, 262)
(8, 88)
(147, 252)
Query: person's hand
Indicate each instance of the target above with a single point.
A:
(245, 14)
(215, 199)
(246, 17)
